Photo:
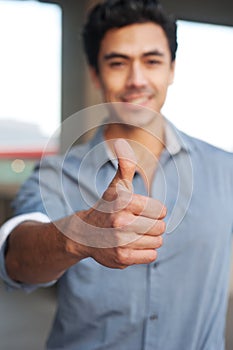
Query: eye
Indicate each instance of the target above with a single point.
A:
(117, 64)
(152, 62)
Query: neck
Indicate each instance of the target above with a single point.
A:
(150, 137)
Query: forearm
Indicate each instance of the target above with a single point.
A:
(115, 238)
(39, 253)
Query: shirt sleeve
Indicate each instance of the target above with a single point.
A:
(5, 231)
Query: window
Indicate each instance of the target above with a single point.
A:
(30, 84)
(200, 100)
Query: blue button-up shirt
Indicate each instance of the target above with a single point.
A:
(179, 301)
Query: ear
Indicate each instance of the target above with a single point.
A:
(95, 77)
(172, 72)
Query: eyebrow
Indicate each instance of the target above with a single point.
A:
(112, 55)
(154, 53)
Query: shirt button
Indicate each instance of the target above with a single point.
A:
(153, 317)
(156, 264)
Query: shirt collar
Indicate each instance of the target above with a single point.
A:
(174, 139)
(175, 142)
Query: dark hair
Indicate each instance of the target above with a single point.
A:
(119, 13)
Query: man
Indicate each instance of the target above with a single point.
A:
(115, 290)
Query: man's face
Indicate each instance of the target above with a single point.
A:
(135, 67)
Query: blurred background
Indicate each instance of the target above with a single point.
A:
(44, 80)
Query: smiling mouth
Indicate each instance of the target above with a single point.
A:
(137, 100)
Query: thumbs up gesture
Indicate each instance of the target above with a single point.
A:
(129, 226)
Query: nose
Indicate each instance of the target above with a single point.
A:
(136, 76)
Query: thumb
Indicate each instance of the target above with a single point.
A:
(126, 163)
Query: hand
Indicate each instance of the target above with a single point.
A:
(123, 228)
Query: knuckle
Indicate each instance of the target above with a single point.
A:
(121, 220)
(160, 226)
(161, 209)
(163, 226)
(122, 256)
(118, 203)
(117, 220)
(122, 200)
(154, 256)
(160, 241)
(164, 209)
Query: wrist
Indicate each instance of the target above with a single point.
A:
(69, 231)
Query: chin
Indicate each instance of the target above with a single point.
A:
(132, 114)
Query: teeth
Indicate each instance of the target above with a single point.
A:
(138, 100)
